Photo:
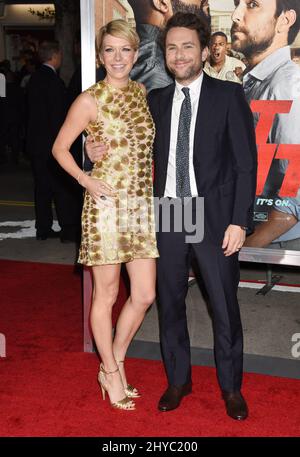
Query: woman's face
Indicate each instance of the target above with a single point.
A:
(118, 57)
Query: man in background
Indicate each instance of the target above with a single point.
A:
(264, 33)
(221, 66)
(47, 108)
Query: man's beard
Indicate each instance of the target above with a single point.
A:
(249, 46)
(178, 5)
(188, 75)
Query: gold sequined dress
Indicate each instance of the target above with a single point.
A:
(125, 230)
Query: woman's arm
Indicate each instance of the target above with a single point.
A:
(82, 112)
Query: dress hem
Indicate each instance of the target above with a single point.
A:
(89, 264)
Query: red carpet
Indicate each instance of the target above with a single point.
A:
(48, 386)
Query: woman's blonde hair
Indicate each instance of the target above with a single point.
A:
(119, 29)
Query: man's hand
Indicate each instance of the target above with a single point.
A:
(239, 72)
(234, 239)
(95, 151)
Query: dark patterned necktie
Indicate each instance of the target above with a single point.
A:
(183, 188)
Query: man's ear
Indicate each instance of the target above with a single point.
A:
(286, 20)
(204, 54)
(164, 6)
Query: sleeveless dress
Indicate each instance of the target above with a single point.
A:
(126, 230)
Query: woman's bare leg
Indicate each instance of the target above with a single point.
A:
(105, 292)
(142, 275)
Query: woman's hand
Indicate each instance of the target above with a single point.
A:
(101, 192)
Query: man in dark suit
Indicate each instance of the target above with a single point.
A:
(204, 147)
(47, 108)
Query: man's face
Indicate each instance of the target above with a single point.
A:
(218, 48)
(199, 7)
(184, 56)
(57, 59)
(253, 28)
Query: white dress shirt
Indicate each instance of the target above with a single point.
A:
(195, 90)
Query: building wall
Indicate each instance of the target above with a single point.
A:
(221, 22)
(19, 16)
(107, 10)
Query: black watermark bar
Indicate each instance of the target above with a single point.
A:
(140, 446)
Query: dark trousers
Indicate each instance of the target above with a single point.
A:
(52, 184)
(221, 277)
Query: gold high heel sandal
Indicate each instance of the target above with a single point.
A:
(126, 403)
(129, 390)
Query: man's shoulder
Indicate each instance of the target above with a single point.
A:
(289, 68)
(37, 74)
(45, 71)
(37, 79)
(285, 81)
(157, 93)
(220, 84)
(43, 74)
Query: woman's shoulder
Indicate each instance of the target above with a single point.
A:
(139, 87)
(95, 89)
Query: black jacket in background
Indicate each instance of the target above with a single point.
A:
(47, 108)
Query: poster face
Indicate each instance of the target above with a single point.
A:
(267, 35)
(264, 36)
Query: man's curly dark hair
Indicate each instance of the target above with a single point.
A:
(190, 21)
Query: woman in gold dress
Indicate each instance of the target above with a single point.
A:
(118, 216)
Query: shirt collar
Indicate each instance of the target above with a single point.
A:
(194, 87)
(267, 66)
(50, 66)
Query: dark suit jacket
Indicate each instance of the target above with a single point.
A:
(225, 157)
(47, 108)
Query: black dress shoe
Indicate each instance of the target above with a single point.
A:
(172, 397)
(236, 405)
(45, 235)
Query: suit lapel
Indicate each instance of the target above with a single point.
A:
(166, 103)
(206, 103)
